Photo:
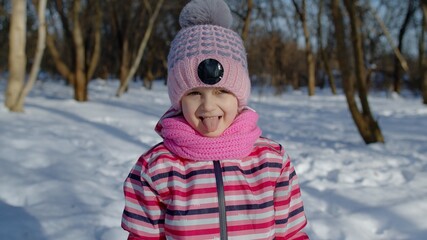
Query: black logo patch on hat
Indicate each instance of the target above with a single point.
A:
(210, 71)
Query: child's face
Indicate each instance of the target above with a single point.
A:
(209, 110)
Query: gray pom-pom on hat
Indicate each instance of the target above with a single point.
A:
(206, 12)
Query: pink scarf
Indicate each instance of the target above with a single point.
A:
(235, 142)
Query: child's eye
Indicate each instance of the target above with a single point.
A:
(223, 91)
(193, 93)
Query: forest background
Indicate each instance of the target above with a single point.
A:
(317, 68)
(353, 46)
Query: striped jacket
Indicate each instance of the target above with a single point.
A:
(257, 197)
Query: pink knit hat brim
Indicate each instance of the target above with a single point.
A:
(183, 77)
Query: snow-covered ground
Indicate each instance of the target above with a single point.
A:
(62, 163)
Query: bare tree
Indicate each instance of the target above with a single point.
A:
(19, 104)
(78, 65)
(325, 59)
(17, 55)
(247, 20)
(80, 86)
(403, 28)
(143, 44)
(301, 11)
(398, 54)
(124, 17)
(367, 126)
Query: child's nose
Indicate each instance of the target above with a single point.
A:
(208, 103)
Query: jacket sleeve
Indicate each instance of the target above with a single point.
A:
(289, 208)
(143, 215)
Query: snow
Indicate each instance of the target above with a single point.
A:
(62, 163)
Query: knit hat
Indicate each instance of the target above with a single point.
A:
(207, 53)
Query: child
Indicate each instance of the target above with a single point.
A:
(213, 176)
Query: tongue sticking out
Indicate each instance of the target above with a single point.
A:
(211, 123)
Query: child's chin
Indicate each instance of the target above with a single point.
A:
(211, 134)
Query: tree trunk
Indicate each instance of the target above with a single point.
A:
(80, 87)
(325, 61)
(396, 51)
(295, 80)
(247, 20)
(423, 57)
(311, 71)
(372, 132)
(41, 44)
(397, 73)
(17, 57)
(82, 59)
(141, 49)
(125, 61)
(59, 63)
(66, 71)
(148, 79)
(367, 126)
(97, 48)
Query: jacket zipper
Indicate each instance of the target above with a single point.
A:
(221, 200)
